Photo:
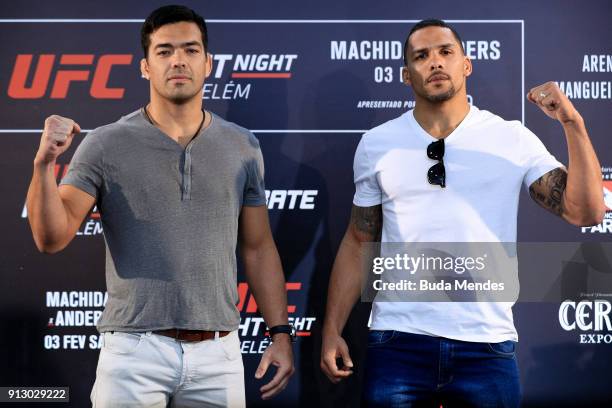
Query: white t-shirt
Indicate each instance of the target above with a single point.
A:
(486, 160)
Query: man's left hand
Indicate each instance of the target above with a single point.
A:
(280, 355)
(554, 102)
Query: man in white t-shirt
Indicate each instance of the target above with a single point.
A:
(449, 172)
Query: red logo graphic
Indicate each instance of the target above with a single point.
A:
(63, 77)
(251, 306)
(247, 302)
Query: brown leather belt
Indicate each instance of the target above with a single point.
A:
(190, 335)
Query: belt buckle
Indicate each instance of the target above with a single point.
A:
(179, 335)
(191, 336)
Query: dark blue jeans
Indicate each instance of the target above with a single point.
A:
(413, 370)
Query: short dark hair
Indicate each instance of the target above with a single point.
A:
(430, 22)
(168, 15)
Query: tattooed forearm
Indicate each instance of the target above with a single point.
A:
(548, 190)
(367, 222)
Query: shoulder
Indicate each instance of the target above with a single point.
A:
(234, 133)
(484, 118)
(381, 138)
(385, 135)
(496, 129)
(128, 123)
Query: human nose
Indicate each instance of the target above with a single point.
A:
(178, 60)
(435, 62)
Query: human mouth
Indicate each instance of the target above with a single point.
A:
(179, 78)
(437, 78)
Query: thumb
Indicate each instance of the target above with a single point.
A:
(346, 358)
(263, 367)
(76, 128)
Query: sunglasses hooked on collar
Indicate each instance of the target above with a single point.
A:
(436, 175)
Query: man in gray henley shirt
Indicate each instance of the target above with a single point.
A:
(177, 187)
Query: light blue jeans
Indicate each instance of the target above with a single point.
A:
(148, 370)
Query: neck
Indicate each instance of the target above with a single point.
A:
(441, 118)
(178, 121)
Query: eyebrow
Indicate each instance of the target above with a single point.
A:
(183, 45)
(447, 45)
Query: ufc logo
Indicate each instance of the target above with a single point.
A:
(63, 77)
(247, 303)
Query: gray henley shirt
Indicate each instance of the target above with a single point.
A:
(170, 220)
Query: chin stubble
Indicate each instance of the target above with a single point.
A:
(443, 97)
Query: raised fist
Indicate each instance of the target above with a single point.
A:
(553, 102)
(56, 138)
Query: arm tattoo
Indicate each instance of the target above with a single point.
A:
(367, 222)
(548, 190)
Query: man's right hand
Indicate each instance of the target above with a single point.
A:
(56, 138)
(335, 347)
(344, 288)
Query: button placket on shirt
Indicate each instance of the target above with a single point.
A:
(187, 173)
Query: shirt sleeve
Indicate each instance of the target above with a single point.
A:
(537, 160)
(254, 188)
(367, 189)
(86, 168)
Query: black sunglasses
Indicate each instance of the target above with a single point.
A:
(436, 174)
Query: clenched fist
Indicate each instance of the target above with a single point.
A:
(56, 138)
(553, 102)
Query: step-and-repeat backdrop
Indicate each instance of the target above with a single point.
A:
(308, 80)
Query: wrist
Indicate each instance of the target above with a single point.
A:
(43, 163)
(575, 130)
(281, 338)
(283, 330)
(330, 329)
(574, 120)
